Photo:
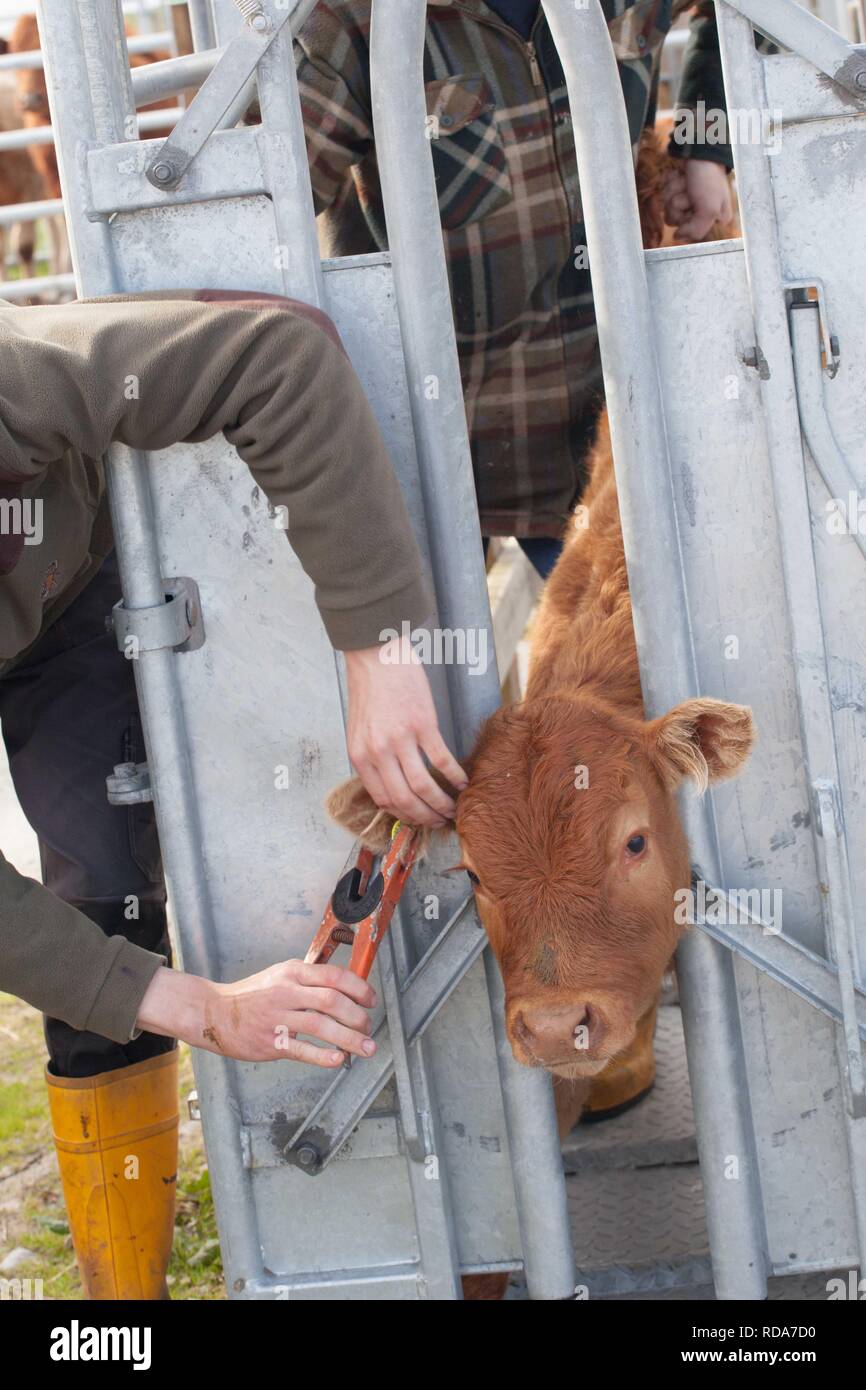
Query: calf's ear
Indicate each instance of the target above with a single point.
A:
(352, 806)
(704, 739)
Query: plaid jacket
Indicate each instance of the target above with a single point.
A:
(511, 214)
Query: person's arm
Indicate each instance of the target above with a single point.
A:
(272, 375)
(333, 67)
(697, 193)
(702, 89)
(257, 1019)
(58, 961)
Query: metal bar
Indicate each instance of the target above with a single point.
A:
(202, 117)
(782, 958)
(351, 1094)
(427, 324)
(135, 43)
(843, 943)
(201, 24)
(88, 39)
(795, 28)
(745, 87)
(814, 420)
(173, 75)
(661, 615)
(230, 166)
(26, 136)
(224, 96)
(429, 1180)
(436, 394)
(28, 212)
(36, 285)
(533, 1146)
(282, 146)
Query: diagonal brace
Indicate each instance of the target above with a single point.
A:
(346, 1100)
(215, 97)
(791, 965)
(794, 28)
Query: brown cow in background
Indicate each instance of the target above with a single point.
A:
(33, 98)
(19, 181)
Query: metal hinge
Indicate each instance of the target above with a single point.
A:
(177, 623)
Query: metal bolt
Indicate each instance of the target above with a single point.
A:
(260, 23)
(162, 173)
(860, 79)
(191, 612)
(307, 1156)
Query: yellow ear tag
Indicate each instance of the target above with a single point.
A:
(395, 828)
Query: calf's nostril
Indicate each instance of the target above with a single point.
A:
(522, 1031)
(581, 1030)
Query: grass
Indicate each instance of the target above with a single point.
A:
(32, 1213)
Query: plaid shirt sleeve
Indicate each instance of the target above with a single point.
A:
(332, 64)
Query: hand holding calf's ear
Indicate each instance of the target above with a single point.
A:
(392, 727)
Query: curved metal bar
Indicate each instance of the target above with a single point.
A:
(436, 394)
(823, 446)
(91, 34)
(661, 614)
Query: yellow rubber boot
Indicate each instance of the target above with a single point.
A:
(627, 1077)
(116, 1141)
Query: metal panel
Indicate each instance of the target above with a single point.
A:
(245, 734)
(729, 530)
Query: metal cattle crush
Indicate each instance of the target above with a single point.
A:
(736, 382)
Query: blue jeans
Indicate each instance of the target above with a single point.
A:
(542, 551)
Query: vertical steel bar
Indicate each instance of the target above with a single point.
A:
(422, 1134)
(436, 394)
(744, 84)
(201, 24)
(661, 615)
(285, 149)
(426, 321)
(85, 52)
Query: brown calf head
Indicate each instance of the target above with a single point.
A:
(570, 832)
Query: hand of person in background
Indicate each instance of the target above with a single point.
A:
(697, 193)
(256, 1019)
(392, 723)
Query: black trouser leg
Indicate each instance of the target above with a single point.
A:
(68, 716)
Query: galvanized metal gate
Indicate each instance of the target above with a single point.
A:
(427, 1184)
(442, 1126)
(730, 433)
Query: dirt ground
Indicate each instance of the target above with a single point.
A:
(32, 1214)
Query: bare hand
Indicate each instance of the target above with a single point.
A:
(256, 1019)
(697, 193)
(392, 722)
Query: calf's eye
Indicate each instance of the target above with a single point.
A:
(636, 845)
(473, 878)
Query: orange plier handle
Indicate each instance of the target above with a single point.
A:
(362, 904)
